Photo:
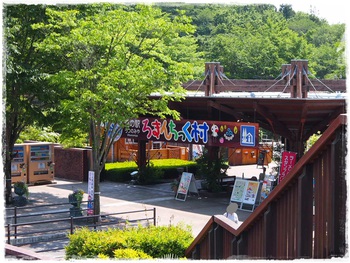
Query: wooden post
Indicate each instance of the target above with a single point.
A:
(269, 232)
(218, 242)
(339, 196)
(211, 81)
(298, 88)
(305, 213)
(141, 157)
(285, 69)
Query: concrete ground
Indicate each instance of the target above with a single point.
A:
(195, 211)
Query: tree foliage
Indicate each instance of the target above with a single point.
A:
(72, 65)
(113, 60)
(29, 98)
(253, 41)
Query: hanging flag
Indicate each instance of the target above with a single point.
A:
(91, 189)
(287, 163)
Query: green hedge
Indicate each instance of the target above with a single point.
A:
(120, 171)
(153, 241)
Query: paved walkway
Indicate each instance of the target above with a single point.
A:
(195, 211)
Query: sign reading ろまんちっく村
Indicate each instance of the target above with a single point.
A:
(211, 133)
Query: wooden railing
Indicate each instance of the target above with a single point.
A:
(303, 217)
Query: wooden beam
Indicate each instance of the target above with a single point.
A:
(240, 85)
(225, 109)
(272, 120)
(323, 123)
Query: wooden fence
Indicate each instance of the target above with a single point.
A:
(164, 153)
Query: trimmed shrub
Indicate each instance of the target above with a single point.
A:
(128, 253)
(150, 174)
(120, 171)
(162, 240)
(153, 241)
(85, 243)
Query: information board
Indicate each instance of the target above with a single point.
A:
(245, 192)
(238, 190)
(251, 192)
(187, 184)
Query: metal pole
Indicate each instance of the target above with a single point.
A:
(71, 225)
(154, 216)
(15, 219)
(8, 234)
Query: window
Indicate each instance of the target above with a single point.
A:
(130, 141)
(157, 145)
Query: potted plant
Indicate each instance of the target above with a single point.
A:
(76, 199)
(20, 189)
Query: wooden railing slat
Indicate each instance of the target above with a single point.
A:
(285, 225)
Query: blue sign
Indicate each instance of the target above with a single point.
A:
(119, 134)
(247, 135)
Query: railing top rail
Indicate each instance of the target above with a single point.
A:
(297, 169)
(76, 218)
(27, 207)
(294, 172)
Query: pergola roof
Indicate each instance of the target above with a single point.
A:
(294, 106)
(292, 118)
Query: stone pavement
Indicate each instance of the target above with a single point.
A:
(195, 211)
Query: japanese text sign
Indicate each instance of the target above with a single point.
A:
(212, 133)
(287, 163)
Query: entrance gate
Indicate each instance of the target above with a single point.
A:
(212, 134)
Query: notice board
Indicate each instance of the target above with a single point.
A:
(187, 184)
(245, 192)
(238, 190)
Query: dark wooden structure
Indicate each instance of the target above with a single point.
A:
(305, 215)
(295, 117)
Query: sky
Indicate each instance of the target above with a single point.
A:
(334, 11)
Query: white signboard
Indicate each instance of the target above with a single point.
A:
(238, 190)
(91, 186)
(187, 184)
(245, 192)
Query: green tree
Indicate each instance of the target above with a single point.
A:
(255, 44)
(253, 41)
(114, 60)
(287, 11)
(45, 134)
(29, 98)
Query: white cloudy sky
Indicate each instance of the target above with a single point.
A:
(332, 10)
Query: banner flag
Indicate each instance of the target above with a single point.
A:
(287, 163)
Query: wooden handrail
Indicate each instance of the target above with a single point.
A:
(296, 170)
(309, 157)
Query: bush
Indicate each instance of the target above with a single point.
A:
(153, 241)
(85, 243)
(149, 174)
(120, 171)
(128, 253)
(162, 240)
(211, 171)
